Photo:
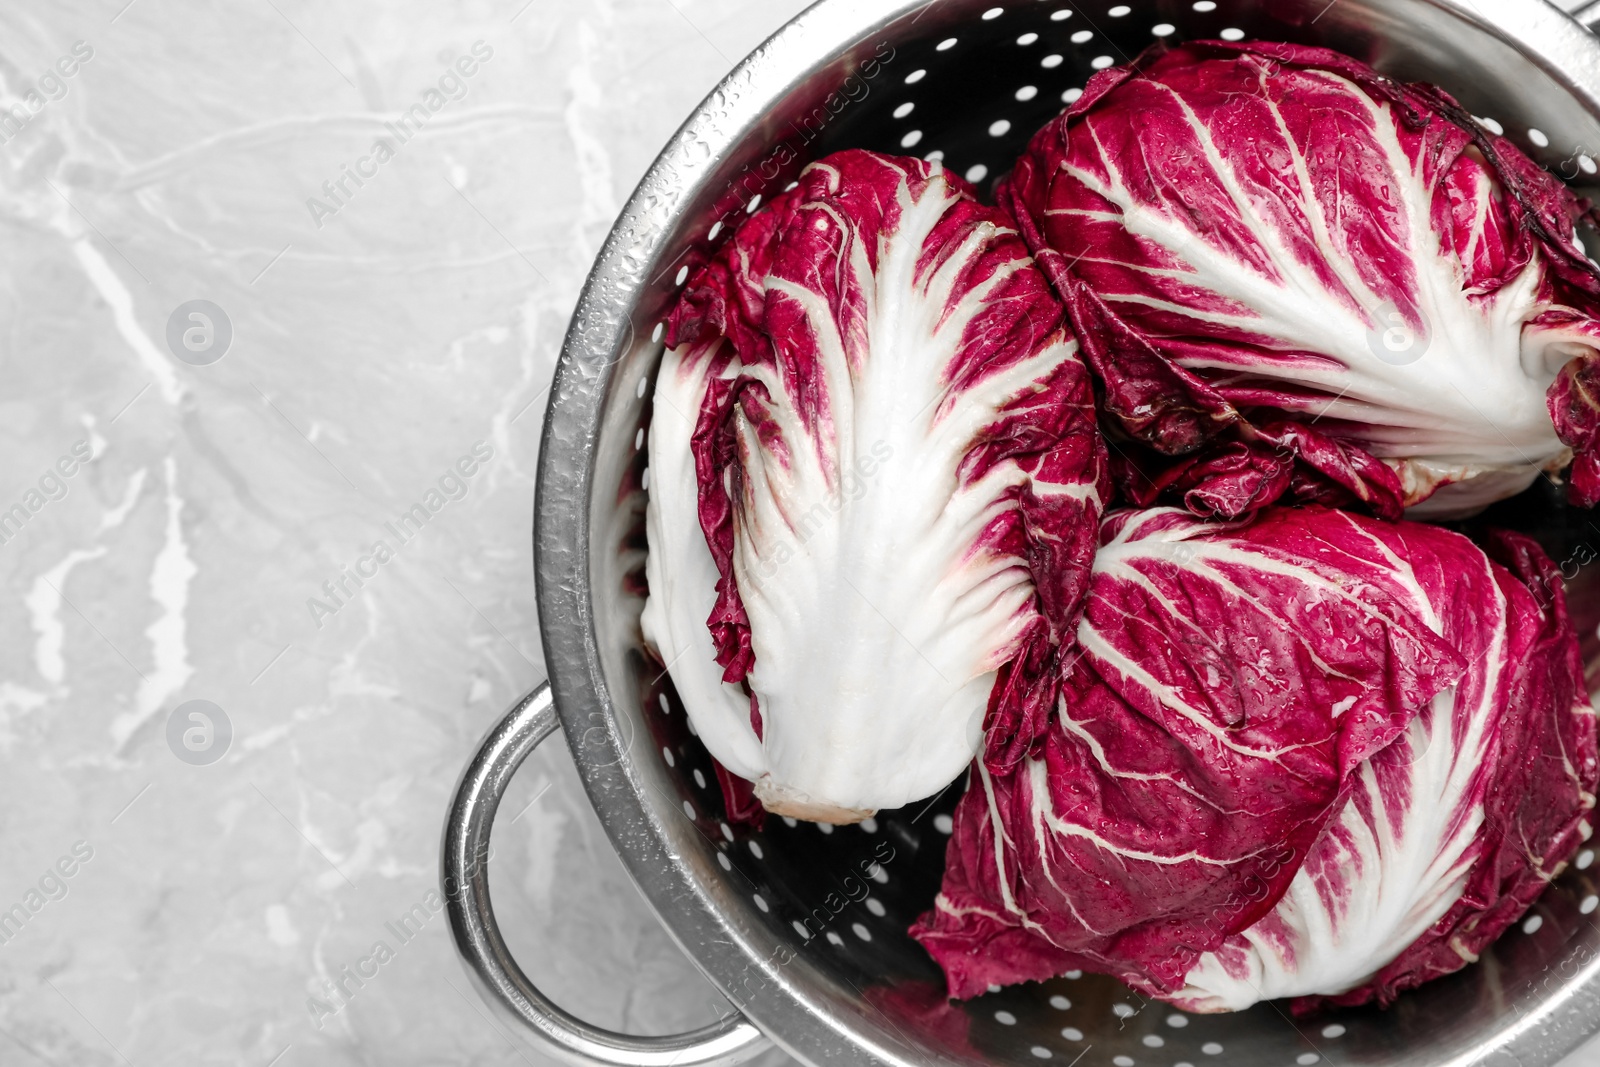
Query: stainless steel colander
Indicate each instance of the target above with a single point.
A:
(967, 81)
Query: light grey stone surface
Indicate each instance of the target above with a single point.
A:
(376, 339)
(371, 348)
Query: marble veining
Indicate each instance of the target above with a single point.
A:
(217, 537)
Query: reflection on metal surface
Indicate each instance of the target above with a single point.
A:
(499, 979)
(804, 926)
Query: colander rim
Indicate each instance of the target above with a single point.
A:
(642, 827)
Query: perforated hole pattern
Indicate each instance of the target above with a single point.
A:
(861, 887)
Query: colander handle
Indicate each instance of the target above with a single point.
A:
(489, 964)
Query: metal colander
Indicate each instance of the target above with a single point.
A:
(966, 81)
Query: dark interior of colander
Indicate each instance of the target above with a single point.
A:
(969, 85)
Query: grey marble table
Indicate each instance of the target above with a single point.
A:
(382, 328)
(215, 495)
